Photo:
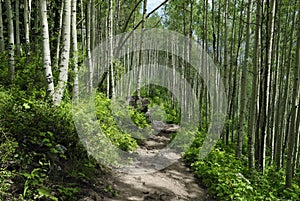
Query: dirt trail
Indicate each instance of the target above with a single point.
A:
(173, 183)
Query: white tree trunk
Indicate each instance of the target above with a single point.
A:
(241, 123)
(75, 49)
(65, 54)
(59, 34)
(11, 40)
(88, 46)
(293, 131)
(2, 46)
(110, 36)
(17, 10)
(140, 62)
(93, 24)
(27, 6)
(46, 49)
(83, 26)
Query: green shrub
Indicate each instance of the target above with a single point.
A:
(228, 178)
(109, 127)
(222, 174)
(46, 148)
(8, 148)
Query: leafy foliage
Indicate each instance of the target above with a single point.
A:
(39, 149)
(161, 98)
(227, 178)
(109, 127)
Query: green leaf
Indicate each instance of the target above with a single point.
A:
(46, 193)
(26, 106)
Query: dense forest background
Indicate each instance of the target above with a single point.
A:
(254, 43)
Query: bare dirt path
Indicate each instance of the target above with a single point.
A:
(173, 183)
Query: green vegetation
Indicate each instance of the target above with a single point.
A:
(41, 155)
(255, 44)
(163, 106)
(228, 178)
(109, 127)
(40, 149)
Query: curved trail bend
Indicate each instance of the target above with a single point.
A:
(174, 183)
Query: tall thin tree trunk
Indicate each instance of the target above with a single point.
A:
(241, 123)
(11, 40)
(2, 44)
(213, 30)
(138, 90)
(65, 54)
(253, 100)
(46, 49)
(231, 76)
(83, 24)
(75, 49)
(27, 24)
(269, 60)
(88, 46)
(226, 78)
(110, 37)
(18, 42)
(93, 24)
(297, 137)
(283, 94)
(292, 135)
(275, 96)
(59, 33)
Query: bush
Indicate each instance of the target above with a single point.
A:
(228, 178)
(7, 151)
(109, 127)
(222, 174)
(40, 149)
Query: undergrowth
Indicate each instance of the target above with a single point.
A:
(227, 178)
(42, 157)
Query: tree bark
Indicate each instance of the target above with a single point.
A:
(27, 11)
(65, 54)
(59, 33)
(292, 135)
(2, 44)
(75, 49)
(11, 41)
(46, 49)
(18, 42)
(254, 91)
(140, 63)
(241, 123)
(110, 38)
(88, 46)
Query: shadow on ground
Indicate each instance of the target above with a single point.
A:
(174, 183)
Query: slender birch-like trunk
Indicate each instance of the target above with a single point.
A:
(241, 123)
(254, 91)
(18, 42)
(88, 46)
(65, 54)
(75, 49)
(2, 44)
(59, 33)
(138, 90)
(46, 49)
(110, 37)
(292, 135)
(27, 6)
(11, 40)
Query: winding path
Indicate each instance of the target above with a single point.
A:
(174, 183)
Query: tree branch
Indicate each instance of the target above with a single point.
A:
(138, 24)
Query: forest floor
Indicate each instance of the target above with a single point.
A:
(173, 183)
